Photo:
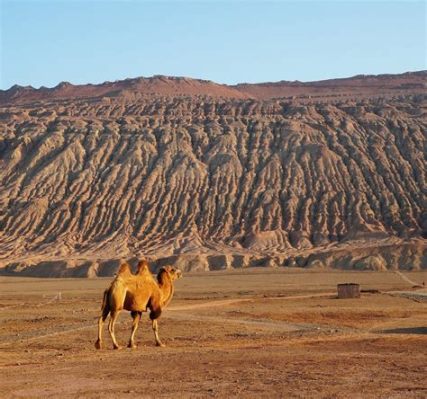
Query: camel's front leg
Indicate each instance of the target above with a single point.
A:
(136, 318)
(113, 318)
(156, 333)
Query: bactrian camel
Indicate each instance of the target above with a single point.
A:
(137, 293)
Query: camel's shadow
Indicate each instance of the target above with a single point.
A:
(407, 330)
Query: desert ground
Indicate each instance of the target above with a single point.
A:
(241, 333)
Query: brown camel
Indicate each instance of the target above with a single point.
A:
(137, 293)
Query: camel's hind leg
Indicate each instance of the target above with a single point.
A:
(136, 318)
(101, 320)
(156, 333)
(113, 319)
(105, 311)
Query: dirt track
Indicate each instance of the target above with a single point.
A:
(226, 338)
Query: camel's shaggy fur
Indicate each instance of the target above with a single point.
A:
(137, 293)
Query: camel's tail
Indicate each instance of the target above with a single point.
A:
(155, 313)
(105, 301)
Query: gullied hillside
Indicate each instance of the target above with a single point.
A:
(212, 182)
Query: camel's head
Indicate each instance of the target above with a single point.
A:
(172, 272)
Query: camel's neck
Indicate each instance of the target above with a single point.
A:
(166, 288)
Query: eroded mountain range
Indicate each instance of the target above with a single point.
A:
(209, 176)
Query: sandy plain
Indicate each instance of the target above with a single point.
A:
(243, 333)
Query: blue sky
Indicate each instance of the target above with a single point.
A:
(45, 42)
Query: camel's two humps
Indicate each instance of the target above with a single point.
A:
(137, 293)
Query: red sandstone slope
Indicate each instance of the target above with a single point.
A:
(156, 85)
(361, 85)
(357, 86)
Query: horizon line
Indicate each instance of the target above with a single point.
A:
(210, 80)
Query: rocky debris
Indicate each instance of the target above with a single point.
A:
(53, 268)
(376, 258)
(405, 257)
(376, 263)
(183, 262)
